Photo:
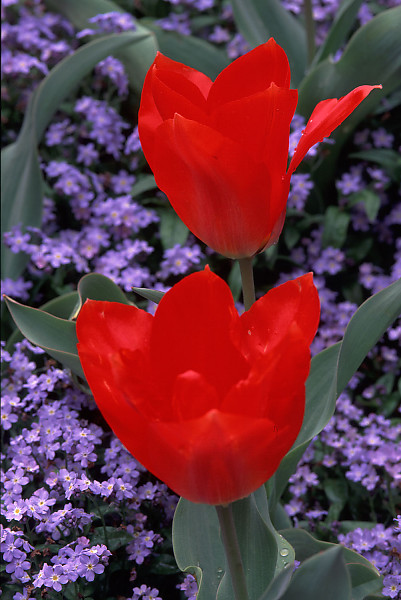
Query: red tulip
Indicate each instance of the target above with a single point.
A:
(207, 400)
(219, 150)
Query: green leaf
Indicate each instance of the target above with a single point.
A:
(97, 287)
(21, 178)
(56, 336)
(364, 330)
(279, 584)
(325, 571)
(52, 327)
(335, 227)
(258, 20)
(144, 184)
(388, 159)
(172, 229)
(362, 573)
(152, 295)
(192, 51)
(198, 548)
(342, 25)
(370, 200)
(136, 59)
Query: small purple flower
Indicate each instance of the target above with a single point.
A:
(89, 567)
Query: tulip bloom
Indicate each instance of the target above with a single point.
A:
(219, 150)
(207, 400)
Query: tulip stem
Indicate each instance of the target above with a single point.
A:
(232, 550)
(248, 286)
(310, 29)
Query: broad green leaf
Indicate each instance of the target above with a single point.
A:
(258, 20)
(372, 56)
(192, 51)
(21, 178)
(152, 295)
(172, 229)
(335, 227)
(371, 202)
(56, 336)
(332, 369)
(62, 306)
(325, 571)
(144, 184)
(197, 546)
(97, 287)
(137, 59)
(364, 576)
(342, 25)
(364, 330)
(279, 584)
(199, 550)
(363, 581)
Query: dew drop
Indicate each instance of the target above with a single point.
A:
(284, 552)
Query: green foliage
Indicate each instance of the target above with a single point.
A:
(52, 326)
(259, 20)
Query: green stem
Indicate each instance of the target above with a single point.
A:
(232, 550)
(248, 286)
(310, 29)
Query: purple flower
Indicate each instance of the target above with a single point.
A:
(54, 577)
(382, 138)
(89, 567)
(392, 586)
(350, 182)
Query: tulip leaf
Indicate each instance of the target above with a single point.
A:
(152, 295)
(136, 59)
(279, 584)
(365, 329)
(62, 306)
(21, 177)
(52, 326)
(325, 571)
(190, 50)
(97, 287)
(342, 25)
(259, 20)
(56, 336)
(198, 548)
(330, 372)
(372, 56)
(364, 576)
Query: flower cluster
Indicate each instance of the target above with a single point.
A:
(61, 480)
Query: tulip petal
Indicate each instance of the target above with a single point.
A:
(169, 87)
(292, 305)
(196, 315)
(251, 73)
(326, 116)
(220, 457)
(220, 193)
(261, 125)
